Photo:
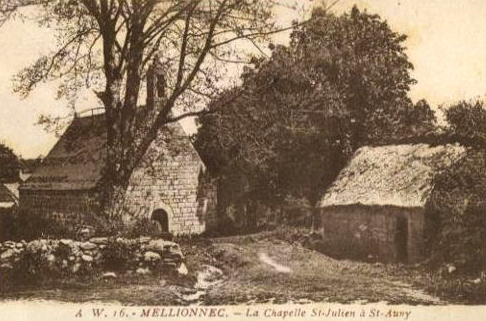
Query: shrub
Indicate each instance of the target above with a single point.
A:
(142, 227)
(117, 256)
(456, 213)
(28, 268)
(31, 226)
(8, 223)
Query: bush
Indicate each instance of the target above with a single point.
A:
(456, 213)
(30, 226)
(8, 223)
(142, 227)
(117, 256)
(29, 268)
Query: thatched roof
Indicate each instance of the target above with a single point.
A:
(77, 160)
(397, 175)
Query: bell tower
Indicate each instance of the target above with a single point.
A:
(156, 84)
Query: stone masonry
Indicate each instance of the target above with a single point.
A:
(172, 177)
(69, 257)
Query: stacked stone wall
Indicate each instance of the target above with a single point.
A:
(68, 257)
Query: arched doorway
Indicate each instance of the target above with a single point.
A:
(162, 218)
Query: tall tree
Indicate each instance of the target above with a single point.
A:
(367, 62)
(290, 127)
(9, 170)
(110, 45)
(467, 122)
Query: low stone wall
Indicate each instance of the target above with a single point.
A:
(69, 257)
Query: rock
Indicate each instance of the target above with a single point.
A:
(87, 246)
(64, 264)
(71, 257)
(7, 254)
(451, 268)
(66, 242)
(151, 257)
(75, 249)
(87, 258)
(476, 281)
(182, 270)
(76, 267)
(19, 245)
(157, 245)
(6, 266)
(142, 271)
(99, 240)
(9, 244)
(51, 258)
(102, 246)
(36, 246)
(85, 233)
(109, 275)
(144, 239)
(165, 248)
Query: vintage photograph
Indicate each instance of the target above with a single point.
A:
(242, 159)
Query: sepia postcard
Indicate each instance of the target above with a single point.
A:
(242, 160)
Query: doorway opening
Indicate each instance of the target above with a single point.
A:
(161, 217)
(401, 239)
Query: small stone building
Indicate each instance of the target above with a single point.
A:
(170, 186)
(376, 207)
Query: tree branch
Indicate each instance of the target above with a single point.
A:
(189, 114)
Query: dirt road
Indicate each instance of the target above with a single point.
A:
(271, 270)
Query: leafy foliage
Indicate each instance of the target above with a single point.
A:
(467, 121)
(457, 207)
(457, 214)
(366, 61)
(9, 169)
(17, 224)
(117, 256)
(298, 116)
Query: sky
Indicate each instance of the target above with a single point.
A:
(446, 44)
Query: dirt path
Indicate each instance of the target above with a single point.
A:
(278, 267)
(273, 271)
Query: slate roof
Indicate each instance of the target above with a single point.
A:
(77, 160)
